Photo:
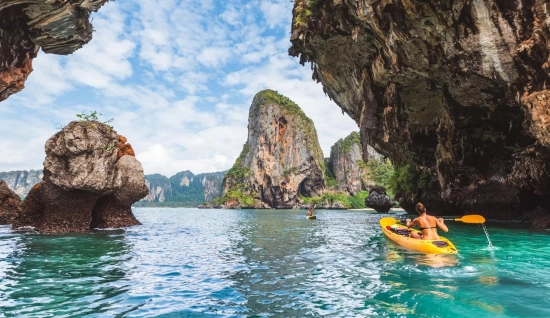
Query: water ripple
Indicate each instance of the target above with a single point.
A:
(244, 263)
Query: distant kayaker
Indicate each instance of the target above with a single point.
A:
(310, 211)
(427, 224)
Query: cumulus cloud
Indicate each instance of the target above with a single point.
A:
(177, 76)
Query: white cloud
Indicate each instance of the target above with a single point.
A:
(277, 14)
(178, 77)
(214, 56)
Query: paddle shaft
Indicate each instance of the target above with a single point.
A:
(472, 218)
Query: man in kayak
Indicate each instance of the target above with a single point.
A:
(427, 224)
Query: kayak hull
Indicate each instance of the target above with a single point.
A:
(441, 246)
(311, 217)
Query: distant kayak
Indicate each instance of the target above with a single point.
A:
(399, 233)
(311, 216)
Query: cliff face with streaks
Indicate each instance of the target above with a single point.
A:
(347, 165)
(281, 159)
(454, 89)
(55, 26)
(22, 181)
(183, 189)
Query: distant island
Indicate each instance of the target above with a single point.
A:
(184, 189)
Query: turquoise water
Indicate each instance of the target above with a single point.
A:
(270, 263)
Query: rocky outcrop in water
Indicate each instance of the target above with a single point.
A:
(85, 184)
(9, 203)
(282, 159)
(379, 200)
(21, 181)
(55, 26)
(454, 89)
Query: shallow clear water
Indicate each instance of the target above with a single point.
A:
(240, 263)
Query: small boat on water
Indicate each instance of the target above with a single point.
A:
(399, 233)
(311, 217)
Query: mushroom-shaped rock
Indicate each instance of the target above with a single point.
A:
(86, 185)
(379, 200)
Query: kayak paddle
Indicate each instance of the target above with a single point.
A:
(472, 218)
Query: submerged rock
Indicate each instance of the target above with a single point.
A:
(10, 203)
(281, 159)
(86, 185)
(453, 89)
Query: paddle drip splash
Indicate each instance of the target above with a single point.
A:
(487, 234)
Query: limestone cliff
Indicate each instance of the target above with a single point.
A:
(347, 166)
(196, 189)
(85, 185)
(212, 183)
(159, 188)
(184, 189)
(21, 181)
(281, 159)
(454, 89)
(56, 26)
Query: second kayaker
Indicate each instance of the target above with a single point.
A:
(428, 224)
(311, 209)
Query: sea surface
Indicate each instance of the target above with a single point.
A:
(270, 263)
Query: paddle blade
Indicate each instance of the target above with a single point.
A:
(473, 218)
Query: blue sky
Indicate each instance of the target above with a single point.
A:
(178, 78)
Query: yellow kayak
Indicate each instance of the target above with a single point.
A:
(392, 227)
(311, 216)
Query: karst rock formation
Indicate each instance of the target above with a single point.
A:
(454, 89)
(55, 26)
(86, 185)
(9, 203)
(281, 159)
(347, 165)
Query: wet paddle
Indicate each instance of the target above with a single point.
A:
(472, 218)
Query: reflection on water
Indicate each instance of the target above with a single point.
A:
(246, 263)
(437, 260)
(398, 254)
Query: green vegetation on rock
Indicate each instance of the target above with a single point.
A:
(238, 172)
(406, 180)
(379, 171)
(358, 201)
(93, 116)
(353, 138)
(290, 171)
(304, 9)
(330, 179)
(351, 202)
(236, 193)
